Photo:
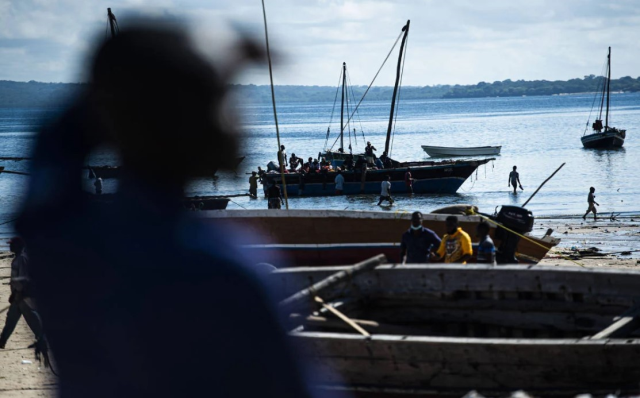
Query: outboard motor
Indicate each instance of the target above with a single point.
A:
(517, 219)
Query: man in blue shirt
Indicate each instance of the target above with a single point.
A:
(418, 242)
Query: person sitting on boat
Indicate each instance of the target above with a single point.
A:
(486, 248)
(386, 160)
(408, 180)
(368, 152)
(514, 179)
(418, 243)
(456, 244)
(293, 162)
(385, 191)
(379, 164)
(316, 165)
(275, 196)
(348, 162)
(340, 150)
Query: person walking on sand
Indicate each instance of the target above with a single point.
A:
(514, 179)
(20, 295)
(253, 185)
(591, 199)
(385, 191)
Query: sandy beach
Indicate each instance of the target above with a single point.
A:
(617, 243)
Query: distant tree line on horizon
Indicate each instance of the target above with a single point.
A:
(42, 95)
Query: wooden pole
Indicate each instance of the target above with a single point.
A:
(541, 185)
(306, 296)
(275, 113)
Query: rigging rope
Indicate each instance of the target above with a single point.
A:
(275, 113)
(595, 96)
(332, 110)
(377, 73)
(356, 111)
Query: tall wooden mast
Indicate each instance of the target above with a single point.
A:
(344, 79)
(405, 29)
(113, 23)
(606, 120)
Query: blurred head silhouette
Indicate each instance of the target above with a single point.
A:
(162, 104)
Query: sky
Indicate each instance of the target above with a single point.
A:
(450, 42)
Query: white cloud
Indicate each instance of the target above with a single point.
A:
(457, 41)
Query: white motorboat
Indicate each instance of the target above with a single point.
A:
(442, 151)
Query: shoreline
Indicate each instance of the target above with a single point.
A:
(578, 237)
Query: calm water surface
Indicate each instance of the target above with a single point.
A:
(536, 133)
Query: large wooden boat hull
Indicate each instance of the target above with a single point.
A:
(608, 139)
(429, 177)
(441, 151)
(450, 329)
(310, 229)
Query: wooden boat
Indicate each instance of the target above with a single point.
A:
(322, 237)
(429, 177)
(206, 202)
(604, 136)
(106, 171)
(442, 151)
(448, 329)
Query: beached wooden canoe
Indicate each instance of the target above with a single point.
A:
(449, 329)
(322, 235)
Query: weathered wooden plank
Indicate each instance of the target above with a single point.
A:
(417, 362)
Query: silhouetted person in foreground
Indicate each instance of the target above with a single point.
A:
(140, 299)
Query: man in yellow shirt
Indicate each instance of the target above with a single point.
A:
(456, 244)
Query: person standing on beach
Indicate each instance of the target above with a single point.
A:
(418, 242)
(20, 295)
(456, 244)
(339, 182)
(591, 199)
(514, 179)
(253, 185)
(385, 191)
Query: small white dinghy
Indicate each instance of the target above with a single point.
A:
(442, 151)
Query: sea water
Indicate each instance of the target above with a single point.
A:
(537, 135)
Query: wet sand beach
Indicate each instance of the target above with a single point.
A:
(617, 241)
